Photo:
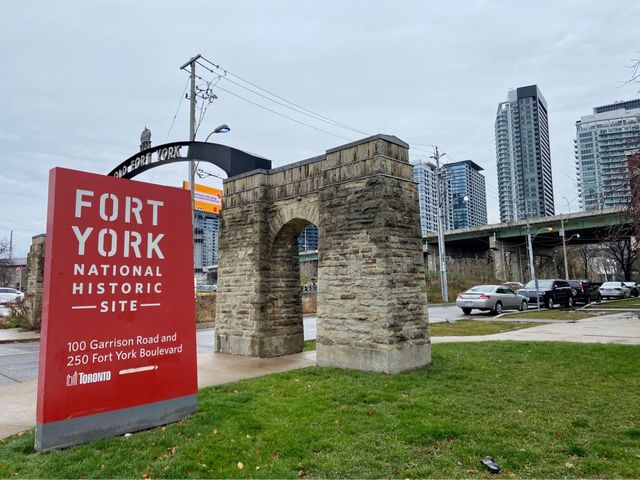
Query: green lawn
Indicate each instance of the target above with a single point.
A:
(628, 302)
(476, 327)
(546, 314)
(542, 410)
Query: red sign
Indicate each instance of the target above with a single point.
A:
(118, 323)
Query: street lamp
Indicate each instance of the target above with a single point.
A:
(224, 128)
(564, 250)
(564, 241)
(532, 268)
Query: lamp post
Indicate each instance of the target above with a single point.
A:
(440, 192)
(532, 268)
(564, 241)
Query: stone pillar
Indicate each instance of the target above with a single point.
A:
(497, 256)
(34, 282)
(372, 308)
(243, 268)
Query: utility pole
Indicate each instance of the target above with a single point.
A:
(192, 127)
(440, 192)
(532, 269)
(564, 248)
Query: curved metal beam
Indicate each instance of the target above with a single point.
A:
(231, 160)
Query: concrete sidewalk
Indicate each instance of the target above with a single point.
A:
(15, 335)
(622, 328)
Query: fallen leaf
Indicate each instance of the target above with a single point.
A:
(275, 455)
(302, 474)
(240, 465)
(337, 421)
(520, 412)
(471, 470)
(568, 465)
(215, 431)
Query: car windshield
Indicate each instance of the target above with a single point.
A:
(541, 284)
(630, 284)
(610, 284)
(482, 289)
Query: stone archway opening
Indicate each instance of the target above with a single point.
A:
(284, 313)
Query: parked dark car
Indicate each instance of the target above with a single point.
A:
(633, 286)
(549, 293)
(585, 291)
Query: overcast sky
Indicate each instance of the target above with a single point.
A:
(81, 79)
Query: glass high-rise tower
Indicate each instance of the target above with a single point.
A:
(468, 194)
(603, 142)
(523, 155)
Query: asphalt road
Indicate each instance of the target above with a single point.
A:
(19, 361)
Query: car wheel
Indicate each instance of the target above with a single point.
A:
(598, 298)
(466, 311)
(550, 303)
(498, 308)
(524, 306)
(570, 302)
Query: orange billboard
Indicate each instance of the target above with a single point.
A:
(206, 199)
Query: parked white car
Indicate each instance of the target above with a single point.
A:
(614, 290)
(490, 297)
(10, 294)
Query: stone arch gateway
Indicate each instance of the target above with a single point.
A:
(372, 312)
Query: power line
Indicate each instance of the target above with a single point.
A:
(283, 115)
(287, 103)
(224, 74)
(182, 97)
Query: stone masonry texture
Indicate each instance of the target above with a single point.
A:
(372, 312)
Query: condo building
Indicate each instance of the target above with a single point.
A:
(603, 142)
(523, 156)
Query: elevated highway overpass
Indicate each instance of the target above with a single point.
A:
(503, 245)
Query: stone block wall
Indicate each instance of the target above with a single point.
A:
(35, 283)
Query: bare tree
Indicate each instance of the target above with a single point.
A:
(623, 251)
(5, 261)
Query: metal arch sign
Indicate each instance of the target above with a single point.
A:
(231, 160)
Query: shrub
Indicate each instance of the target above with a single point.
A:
(26, 312)
(206, 308)
(309, 302)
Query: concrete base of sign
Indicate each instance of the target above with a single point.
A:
(65, 433)
(389, 361)
(254, 346)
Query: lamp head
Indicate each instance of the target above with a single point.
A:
(224, 128)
